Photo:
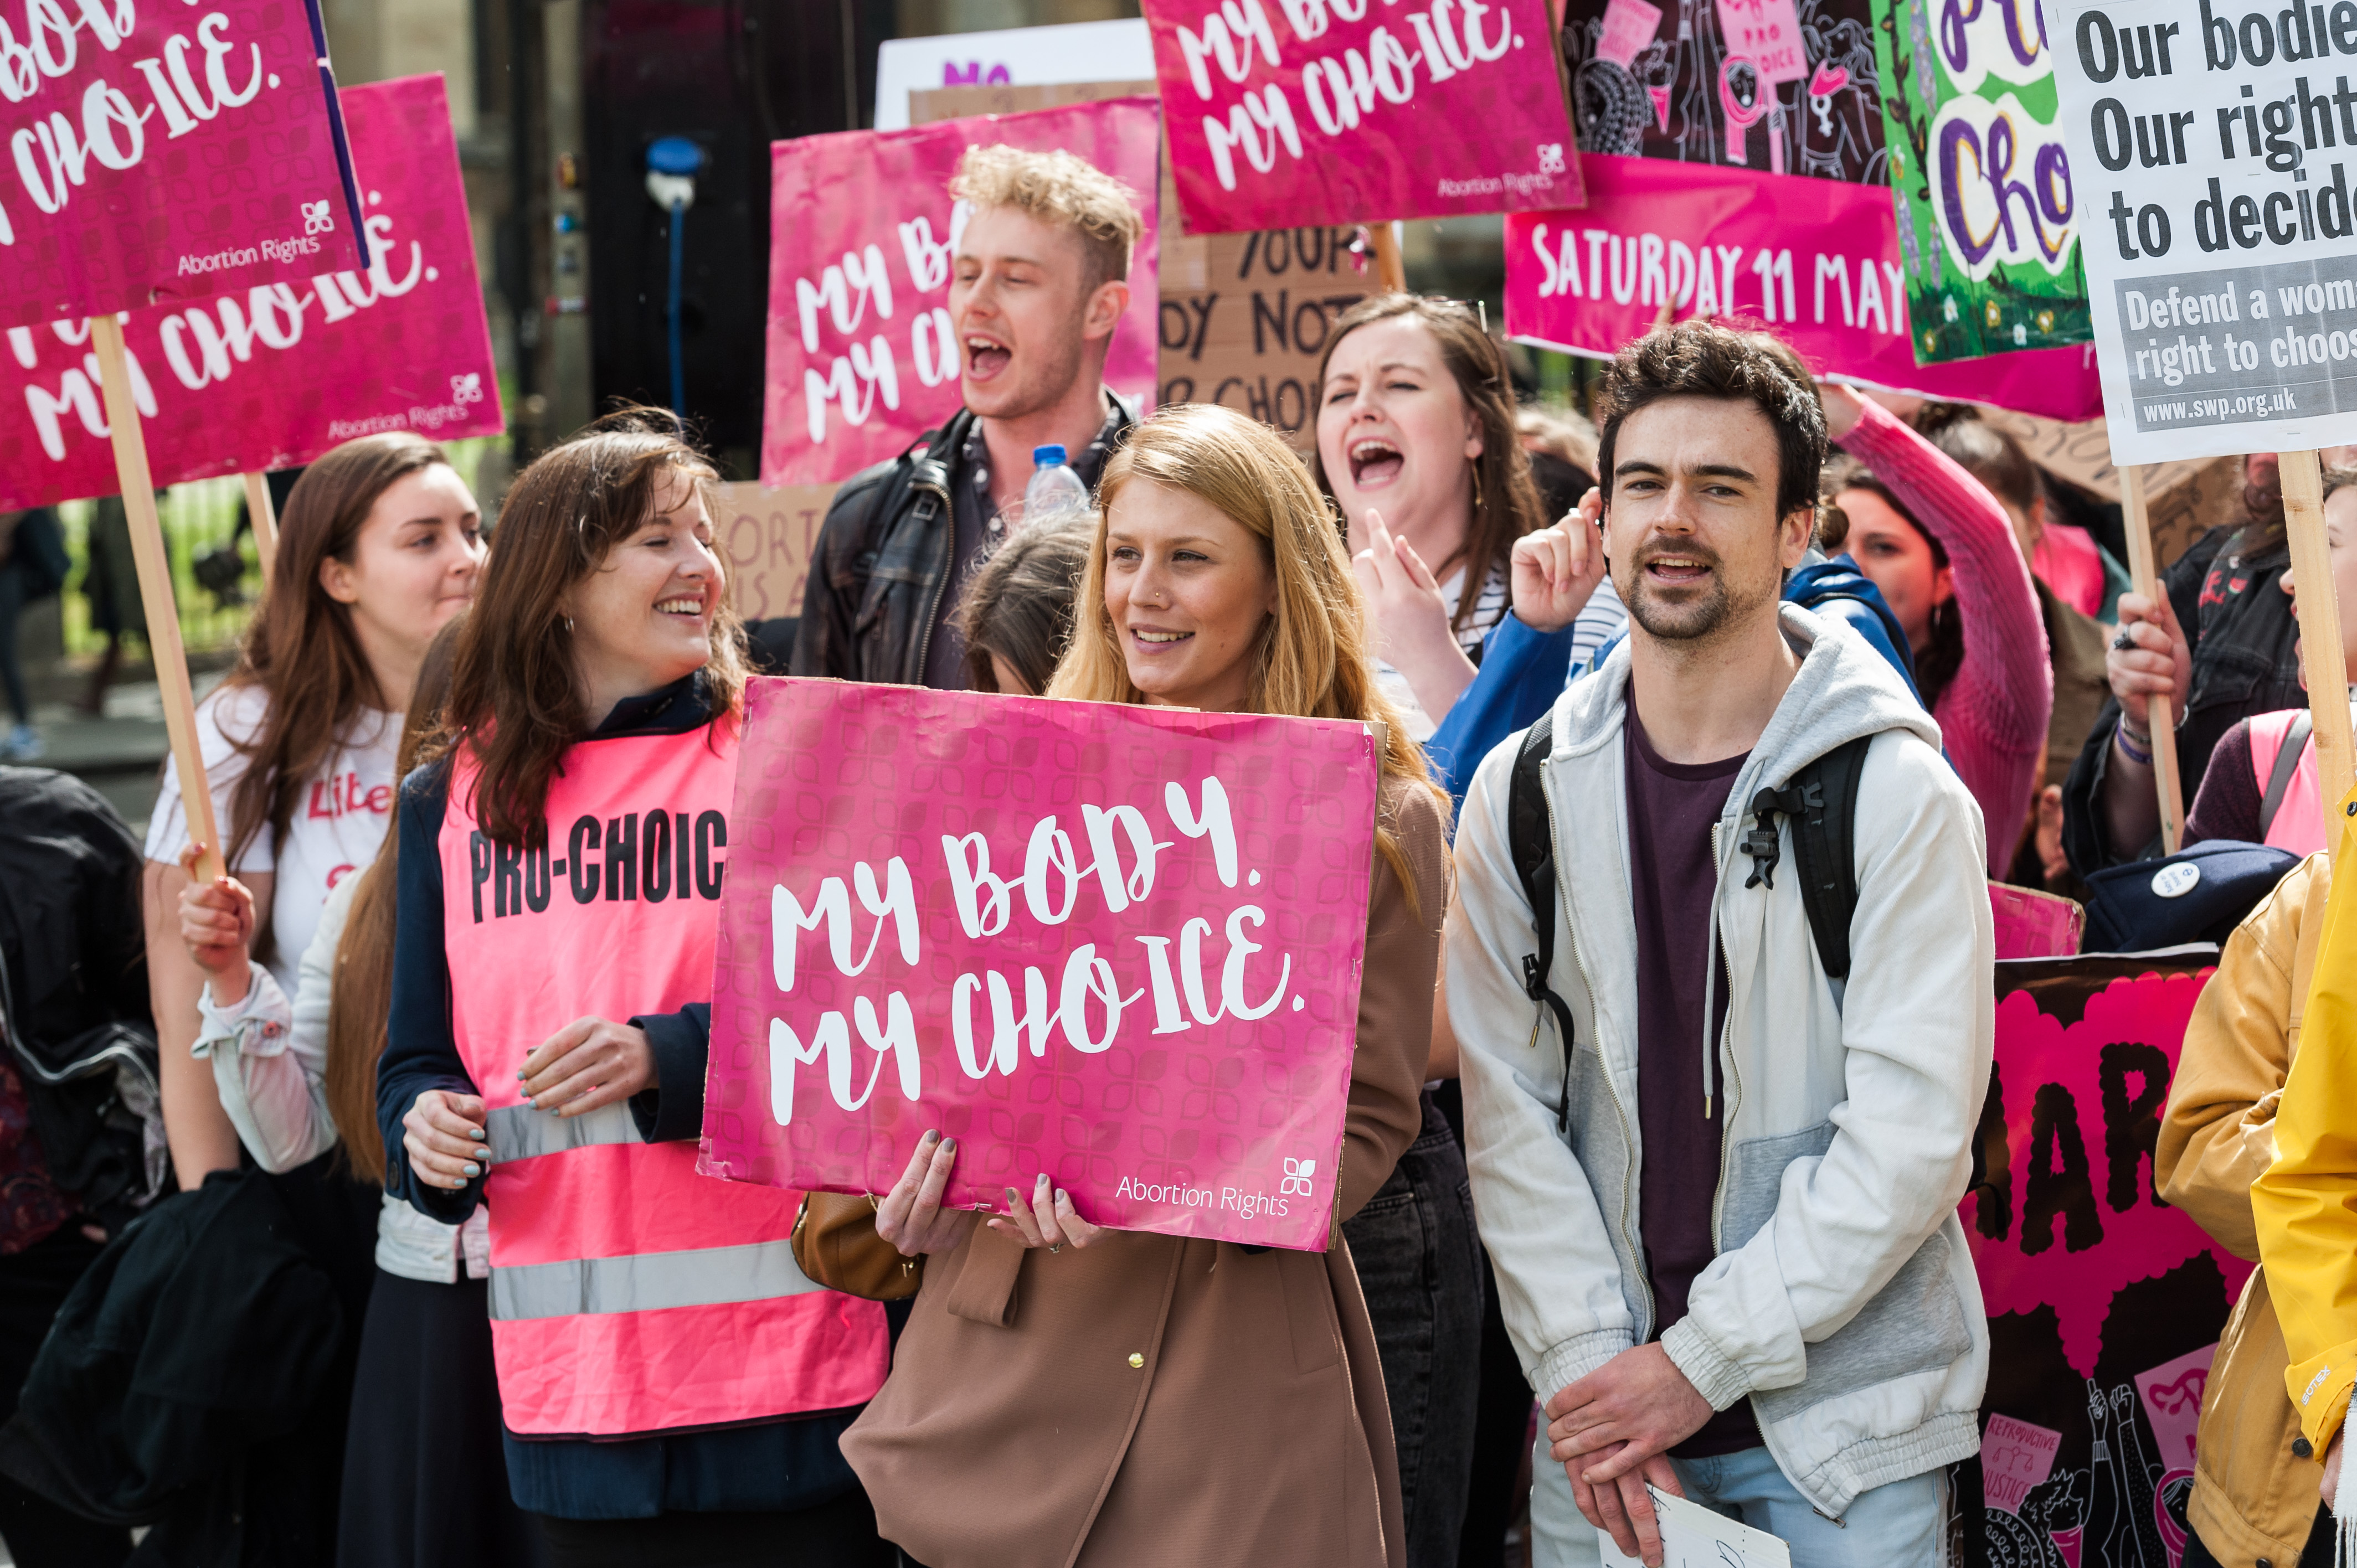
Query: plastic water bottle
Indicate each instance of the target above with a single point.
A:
(1054, 491)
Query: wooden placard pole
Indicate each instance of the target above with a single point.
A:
(264, 514)
(2147, 581)
(2322, 660)
(156, 589)
(1390, 271)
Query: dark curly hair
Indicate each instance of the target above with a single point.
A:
(1696, 358)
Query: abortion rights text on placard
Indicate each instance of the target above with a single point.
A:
(1306, 112)
(271, 376)
(1814, 260)
(166, 152)
(1119, 945)
(2211, 148)
(863, 240)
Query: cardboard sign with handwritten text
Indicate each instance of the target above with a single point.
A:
(767, 539)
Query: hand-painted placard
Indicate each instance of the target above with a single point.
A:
(862, 356)
(768, 538)
(1812, 260)
(167, 154)
(1304, 112)
(271, 376)
(2103, 1303)
(1981, 186)
(1119, 945)
(1764, 84)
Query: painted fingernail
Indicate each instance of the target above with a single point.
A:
(473, 1169)
(1011, 1199)
(1043, 1180)
(475, 1134)
(932, 1137)
(518, 1074)
(950, 1143)
(1062, 1199)
(527, 1100)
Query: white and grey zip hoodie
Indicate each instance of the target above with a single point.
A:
(1842, 1301)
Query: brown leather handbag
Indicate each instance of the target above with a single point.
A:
(835, 1244)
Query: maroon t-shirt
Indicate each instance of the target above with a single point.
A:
(1672, 809)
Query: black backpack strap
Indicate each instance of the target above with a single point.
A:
(1822, 802)
(2287, 767)
(1530, 838)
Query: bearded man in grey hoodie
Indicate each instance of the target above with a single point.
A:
(1722, 1212)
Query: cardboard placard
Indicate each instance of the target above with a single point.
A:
(1319, 111)
(768, 538)
(1119, 945)
(273, 376)
(169, 157)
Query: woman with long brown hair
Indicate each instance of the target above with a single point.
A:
(423, 1480)
(1067, 1393)
(379, 548)
(1417, 445)
(672, 1387)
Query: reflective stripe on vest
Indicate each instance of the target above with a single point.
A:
(649, 1282)
(2298, 824)
(593, 1229)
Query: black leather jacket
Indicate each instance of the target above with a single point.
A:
(886, 558)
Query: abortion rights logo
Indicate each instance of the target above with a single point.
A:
(1296, 1176)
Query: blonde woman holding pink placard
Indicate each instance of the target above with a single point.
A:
(1051, 1396)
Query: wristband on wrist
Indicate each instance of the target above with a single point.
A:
(2129, 749)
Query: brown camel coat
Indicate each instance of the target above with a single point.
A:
(1159, 1402)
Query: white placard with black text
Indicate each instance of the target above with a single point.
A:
(2212, 161)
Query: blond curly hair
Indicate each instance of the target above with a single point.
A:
(1060, 189)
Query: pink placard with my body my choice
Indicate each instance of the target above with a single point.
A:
(1291, 113)
(1119, 945)
(273, 376)
(166, 152)
(863, 357)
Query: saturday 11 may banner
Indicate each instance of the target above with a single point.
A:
(1981, 189)
(2104, 1304)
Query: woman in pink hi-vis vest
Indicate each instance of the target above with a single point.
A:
(673, 1385)
(2260, 785)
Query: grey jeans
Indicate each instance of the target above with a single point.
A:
(1419, 1265)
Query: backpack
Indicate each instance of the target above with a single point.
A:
(1821, 801)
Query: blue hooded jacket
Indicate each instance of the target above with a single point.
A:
(1522, 671)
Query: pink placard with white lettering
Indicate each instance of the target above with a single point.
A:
(1814, 260)
(166, 154)
(1119, 945)
(271, 376)
(1306, 111)
(861, 236)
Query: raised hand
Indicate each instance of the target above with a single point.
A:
(1555, 571)
(1046, 1220)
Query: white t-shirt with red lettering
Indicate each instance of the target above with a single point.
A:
(339, 821)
